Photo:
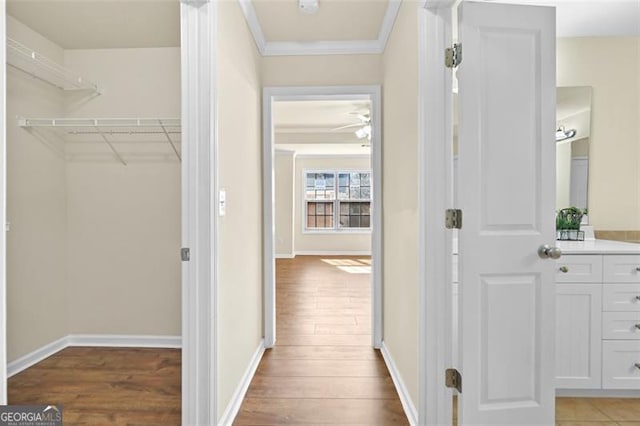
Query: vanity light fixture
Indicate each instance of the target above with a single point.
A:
(562, 134)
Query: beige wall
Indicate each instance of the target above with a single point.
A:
(240, 237)
(611, 65)
(283, 172)
(400, 199)
(321, 70)
(36, 209)
(124, 273)
(326, 243)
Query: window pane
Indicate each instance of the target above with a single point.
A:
(320, 209)
(355, 179)
(320, 221)
(343, 179)
(310, 194)
(354, 208)
(355, 192)
(344, 208)
(344, 221)
(319, 215)
(328, 221)
(365, 193)
(365, 179)
(343, 193)
(354, 222)
(366, 208)
(365, 221)
(311, 221)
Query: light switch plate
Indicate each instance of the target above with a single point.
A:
(222, 202)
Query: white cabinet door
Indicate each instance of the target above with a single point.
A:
(507, 195)
(621, 364)
(578, 334)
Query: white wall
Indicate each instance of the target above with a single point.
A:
(36, 207)
(240, 173)
(320, 70)
(309, 243)
(283, 183)
(124, 272)
(400, 195)
(611, 66)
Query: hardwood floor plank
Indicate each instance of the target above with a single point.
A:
(257, 411)
(322, 387)
(323, 340)
(322, 352)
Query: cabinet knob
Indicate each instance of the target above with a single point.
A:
(638, 326)
(638, 297)
(637, 268)
(637, 364)
(564, 269)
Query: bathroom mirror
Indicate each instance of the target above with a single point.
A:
(573, 124)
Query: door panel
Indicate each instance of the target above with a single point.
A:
(507, 194)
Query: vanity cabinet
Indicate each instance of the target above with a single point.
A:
(598, 319)
(578, 322)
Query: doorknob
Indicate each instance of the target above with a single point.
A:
(546, 251)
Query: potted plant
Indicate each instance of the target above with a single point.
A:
(568, 223)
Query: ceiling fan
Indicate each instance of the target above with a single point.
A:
(362, 129)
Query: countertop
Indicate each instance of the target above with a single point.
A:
(597, 247)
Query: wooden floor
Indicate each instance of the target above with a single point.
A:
(323, 369)
(105, 386)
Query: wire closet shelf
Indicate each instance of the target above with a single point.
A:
(41, 67)
(125, 137)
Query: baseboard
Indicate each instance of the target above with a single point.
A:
(334, 253)
(125, 341)
(599, 393)
(403, 393)
(233, 407)
(26, 361)
(285, 256)
(97, 340)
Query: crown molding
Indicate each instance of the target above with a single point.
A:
(343, 47)
(254, 25)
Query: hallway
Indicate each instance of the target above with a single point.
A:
(323, 368)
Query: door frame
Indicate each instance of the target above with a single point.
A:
(300, 93)
(435, 195)
(199, 215)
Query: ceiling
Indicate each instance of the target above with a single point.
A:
(572, 100)
(102, 24)
(309, 127)
(335, 20)
(339, 26)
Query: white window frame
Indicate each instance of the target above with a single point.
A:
(336, 230)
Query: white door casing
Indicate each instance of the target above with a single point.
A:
(300, 93)
(199, 219)
(507, 194)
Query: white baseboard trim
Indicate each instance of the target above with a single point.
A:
(598, 393)
(26, 361)
(334, 253)
(233, 407)
(125, 341)
(285, 256)
(403, 393)
(97, 340)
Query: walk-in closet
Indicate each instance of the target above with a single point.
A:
(93, 185)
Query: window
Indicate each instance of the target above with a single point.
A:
(337, 200)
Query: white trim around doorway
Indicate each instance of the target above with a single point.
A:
(271, 94)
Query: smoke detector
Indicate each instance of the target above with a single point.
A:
(308, 6)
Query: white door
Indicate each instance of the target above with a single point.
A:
(507, 196)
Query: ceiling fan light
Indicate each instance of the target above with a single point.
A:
(562, 134)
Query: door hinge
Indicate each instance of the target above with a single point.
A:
(453, 219)
(453, 55)
(453, 379)
(185, 254)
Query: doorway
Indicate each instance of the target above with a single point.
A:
(370, 124)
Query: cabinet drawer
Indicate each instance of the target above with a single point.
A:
(621, 325)
(622, 268)
(621, 297)
(579, 268)
(619, 369)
